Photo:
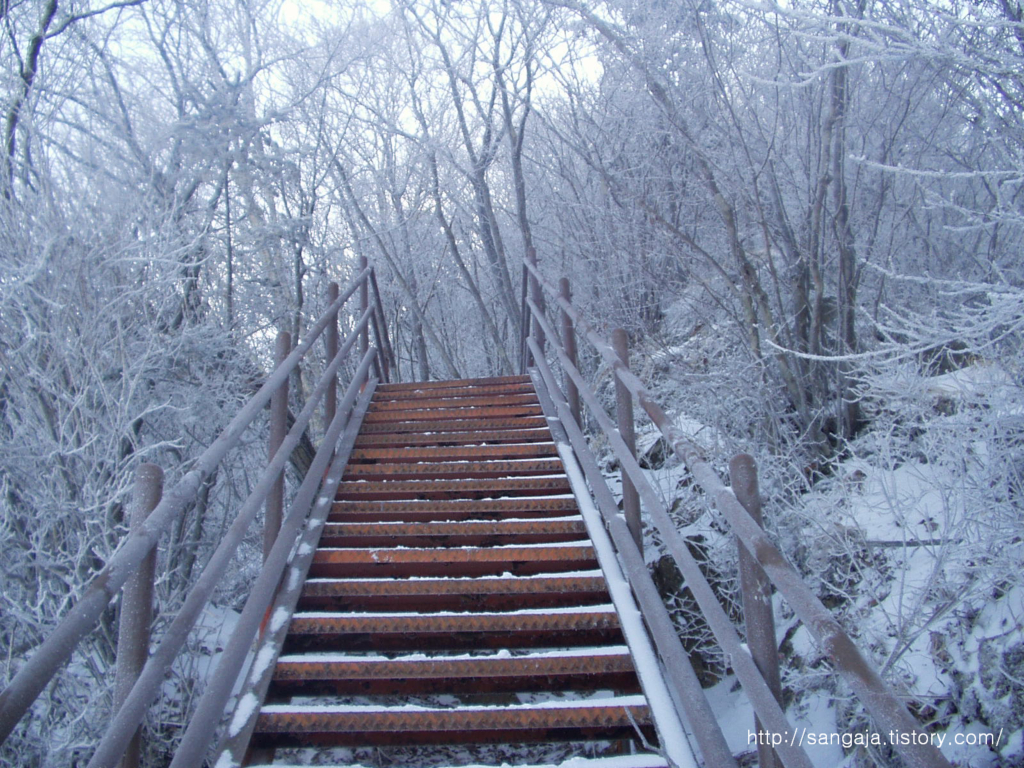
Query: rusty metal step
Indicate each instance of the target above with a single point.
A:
(482, 424)
(489, 593)
(466, 509)
(409, 454)
(443, 437)
(463, 561)
(454, 384)
(297, 726)
(448, 534)
(344, 674)
(472, 400)
(444, 631)
(452, 489)
(454, 413)
(453, 470)
(433, 393)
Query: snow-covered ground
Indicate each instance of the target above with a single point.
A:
(914, 540)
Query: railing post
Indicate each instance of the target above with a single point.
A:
(278, 431)
(390, 364)
(137, 604)
(572, 392)
(524, 325)
(757, 598)
(364, 302)
(624, 411)
(331, 341)
(537, 295)
(377, 321)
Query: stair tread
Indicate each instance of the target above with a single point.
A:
(572, 524)
(455, 414)
(314, 666)
(437, 426)
(451, 453)
(473, 399)
(451, 383)
(452, 469)
(474, 434)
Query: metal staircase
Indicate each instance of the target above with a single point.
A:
(455, 596)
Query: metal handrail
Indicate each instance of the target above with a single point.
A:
(37, 672)
(874, 693)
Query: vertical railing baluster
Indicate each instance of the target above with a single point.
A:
(537, 296)
(278, 431)
(624, 411)
(390, 363)
(137, 604)
(364, 302)
(757, 598)
(377, 320)
(331, 342)
(524, 326)
(572, 392)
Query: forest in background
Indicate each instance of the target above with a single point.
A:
(803, 213)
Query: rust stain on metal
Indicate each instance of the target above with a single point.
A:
(454, 383)
(485, 528)
(452, 453)
(381, 556)
(443, 669)
(440, 414)
(535, 486)
(453, 401)
(463, 719)
(448, 470)
(491, 390)
(395, 587)
(495, 423)
(453, 623)
(536, 434)
(458, 507)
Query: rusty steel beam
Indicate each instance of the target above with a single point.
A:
(537, 434)
(455, 383)
(396, 489)
(454, 413)
(439, 534)
(377, 677)
(386, 556)
(453, 453)
(457, 392)
(444, 401)
(481, 527)
(470, 561)
(469, 528)
(453, 425)
(421, 587)
(452, 470)
(603, 617)
(451, 726)
(474, 601)
(426, 511)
